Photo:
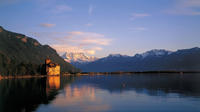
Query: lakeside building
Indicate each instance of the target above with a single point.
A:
(51, 68)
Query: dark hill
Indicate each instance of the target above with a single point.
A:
(22, 55)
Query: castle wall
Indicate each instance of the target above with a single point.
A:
(53, 70)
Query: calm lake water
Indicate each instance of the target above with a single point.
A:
(105, 93)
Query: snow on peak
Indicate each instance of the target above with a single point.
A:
(77, 57)
(155, 52)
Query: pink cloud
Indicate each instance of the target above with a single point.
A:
(75, 41)
(47, 25)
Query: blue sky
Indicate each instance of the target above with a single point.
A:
(103, 27)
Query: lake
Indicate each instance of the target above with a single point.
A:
(102, 93)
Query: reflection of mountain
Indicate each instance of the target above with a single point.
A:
(79, 98)
(153, 84)
(154, 60)
(26, 95)
(76, 92)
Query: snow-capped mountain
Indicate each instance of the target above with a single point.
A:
(151, 53)
(154, 52)
(78, 57)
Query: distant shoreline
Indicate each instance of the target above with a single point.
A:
(138, 72)
(96, 73)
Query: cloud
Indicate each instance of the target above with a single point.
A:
(94, 40)
(139, 15)
(88, 38)
(97, 48)
(185, 7)
(75, 33)
(61, 48)
(66, 48)
(89, 24)
(90, 10)
(61, 8)
(75, 41)
(47, 25)
(91, 52)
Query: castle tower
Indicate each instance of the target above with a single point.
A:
(47, 61)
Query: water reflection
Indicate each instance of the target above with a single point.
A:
(75, 92)
(151, 84)
(76, 99)
(144, 92)
(138, 92)
(52, 85)
(24, 95)
(53, 82)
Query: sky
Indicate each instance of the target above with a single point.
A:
(102, 27)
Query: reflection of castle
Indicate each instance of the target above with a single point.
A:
(53, 82)
(51, 68)
(52, 85)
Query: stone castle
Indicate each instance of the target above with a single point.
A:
(51, 68)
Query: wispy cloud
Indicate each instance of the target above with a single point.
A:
(75, 33)
(136, 29)
(75, 41)
(61, 8)
(89, 24)
(90, 10)
(61, 48)
(185, 7)
(88, 38)
(47, 25)
(139, 15)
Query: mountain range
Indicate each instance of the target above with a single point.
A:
(153, 60)
(22, 55)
